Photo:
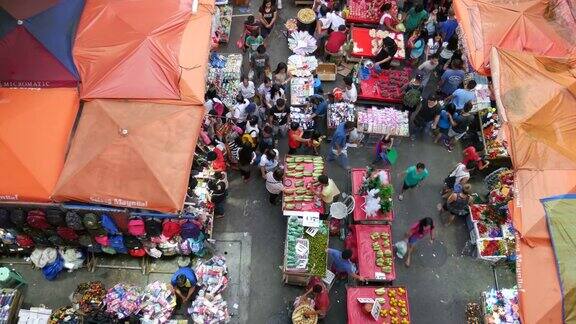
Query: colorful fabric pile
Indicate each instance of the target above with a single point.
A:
(224, 75)
(209, 306)
(157, 302)
(122, 300)
(502, 306)
(340, 112)
(383, 121)
(213, 274)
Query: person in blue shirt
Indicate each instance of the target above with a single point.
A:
(447, 28)
(319, 109)
(452, 78)
(184, 283)
(441, 124)
(461, 97)
(338, 148)
(340, 264)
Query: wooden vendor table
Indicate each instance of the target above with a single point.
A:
(367, 267)
(359, 215)
(356, 315)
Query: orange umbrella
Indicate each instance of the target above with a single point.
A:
(512, 25)
(144, 49)
(131, 154)
(35, 126)
(536, 96)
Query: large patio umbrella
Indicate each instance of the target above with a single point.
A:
(536, 96)
(145, 49)
(36, 39)
(523, 25)
(35, 127)
(131, 154)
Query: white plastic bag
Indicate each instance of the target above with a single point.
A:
(401, 248)
(372, 203)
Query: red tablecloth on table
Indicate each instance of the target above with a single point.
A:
(384, 86)
(361, 36)
(354, 309)
(366, 255)
(358, 10)
(359, 214)
(301, 205)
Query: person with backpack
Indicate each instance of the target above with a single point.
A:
(460, 122)
(295, 138)
(456, 204)
(412, 95)
(252, 132)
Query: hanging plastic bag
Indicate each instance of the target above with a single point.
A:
(51, 270)
(401, 248)
(392, 156)
(372, 203)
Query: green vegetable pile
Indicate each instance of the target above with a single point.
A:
(295, 231)
(317, 256)
(386, 191)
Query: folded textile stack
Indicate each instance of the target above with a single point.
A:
(208, 308)
(122, 300)
(212, 274)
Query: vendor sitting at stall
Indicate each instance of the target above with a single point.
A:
(335, 41)
(329, 189)
(384, 58)
(319, 292)
(184, 284)
(389, 22)
(340, 264)
(295, 138)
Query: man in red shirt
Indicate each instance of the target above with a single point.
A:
(321, 297)
(470, 155)
(335, 41)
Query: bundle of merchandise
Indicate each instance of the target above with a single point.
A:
(302, 43)
(66, 314)
(368, 11)
(378, 192)
(9, 301)
(89, 296)
(209, 306)
(383, 86)
(296, 248)
(301, 66)
(306, 248)
(291, 25)
(224, 76)
(157, 302)
(224, 23)
(340, 112)
(303, 116)
(383, 121)
(301, 89)
(302, 171)
(501, 306)
(123, 300)
(495, 145)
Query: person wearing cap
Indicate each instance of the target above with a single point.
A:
(184, 284)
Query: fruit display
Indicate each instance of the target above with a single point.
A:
(385, 85)
(393, 301)
(304, 252)
(368, 12)
(383, 121)
(340, 112)
(494, 231)
(302, 43)
(301, 172)
(365, 41)
(492, 248)
(301, 66)
(375, 251)
(224, 75)
(495, 146)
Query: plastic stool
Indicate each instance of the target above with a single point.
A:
(10, 278)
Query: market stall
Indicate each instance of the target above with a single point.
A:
(375, 252)
(300, 89)
(303, 116)
(377, 305)
(501, 306)
(301, 66)
(493, 140)
(198, 201)
(302, 43)
(493, 232)
(384, 86)
(368, 11)
(224, 23)
(385, 121)
(363, 39)
(305, 250)
(362, 182)
(224, 74)
(483, 93)
(302, 172)
(340, 112)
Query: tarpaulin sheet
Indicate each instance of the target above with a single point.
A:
(366, 256)
(131, 154)
(35, 127)
(359, 213)
(36, 39)
(361, 36)
(144, 49)
(535, 97)
(560, 213)
(522, 25)
(356, 314)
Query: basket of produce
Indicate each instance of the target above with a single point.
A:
(304, 314)
(306, 15)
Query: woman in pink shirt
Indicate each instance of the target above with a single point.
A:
(418, 231)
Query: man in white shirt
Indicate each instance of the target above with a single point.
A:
(247, 88)
(240, 114)
(268, 162)
(351, 93)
